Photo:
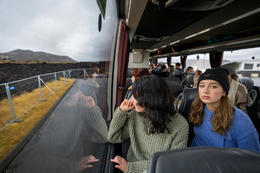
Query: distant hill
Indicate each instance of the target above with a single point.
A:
(28, 55)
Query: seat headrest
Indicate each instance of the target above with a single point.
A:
(204, 159)
(248, 82)
(188, 80)
(174, 85)
(187, 97)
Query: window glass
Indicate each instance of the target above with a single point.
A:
(248, 66)
(56, 41)
(249, 63)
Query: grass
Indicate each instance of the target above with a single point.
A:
(14, 133)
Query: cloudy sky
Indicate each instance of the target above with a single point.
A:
(65, 27)
(245, 54)
(62, 27)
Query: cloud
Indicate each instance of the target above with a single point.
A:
(243, 54)
(238, 55)
(59, 27)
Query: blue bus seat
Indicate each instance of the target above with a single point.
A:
(204, 159)
(186, 98)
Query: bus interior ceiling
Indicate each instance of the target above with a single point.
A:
(180, 27)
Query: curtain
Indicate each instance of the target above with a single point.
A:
(215, 59)
(169, 61)
(155, 61)
(122, 64)
(183, 61)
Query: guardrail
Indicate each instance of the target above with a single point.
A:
(42, 86)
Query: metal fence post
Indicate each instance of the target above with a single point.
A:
(84, 73)
(56, 85)
(69, 73)
(10, 100)
(64, 78)
(40, 86)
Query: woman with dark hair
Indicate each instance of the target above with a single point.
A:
(151, 123)
(216, 122)
(136, 73)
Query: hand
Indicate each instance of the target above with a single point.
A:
(84, 163)
(89, 102)
(126, 105)
(122, 163)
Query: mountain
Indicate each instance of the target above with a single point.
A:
(28, 55)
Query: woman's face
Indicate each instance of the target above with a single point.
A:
(138, 108)
(210, 92)
(133, 79)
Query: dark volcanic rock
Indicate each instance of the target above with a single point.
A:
(28, 55)
(11, 72)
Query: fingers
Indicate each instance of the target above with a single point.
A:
(93, 160)
(125, 102)
(131, 99)
(123, 106)
(130, 103)
(89, 166)
(89, 101)
(127, 105)
(117, 160)
(122, 163)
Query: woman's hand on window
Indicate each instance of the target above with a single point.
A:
(89, 102)
(86, 162)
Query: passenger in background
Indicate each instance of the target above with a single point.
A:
(151, 68)
(170, 70)
(178, 67)
(188, 78)
(238, 93)
(178, 72)
(149, 120)
(216, 122)
(162, 71)
(189, 70)
(196, 78)
(137, 73)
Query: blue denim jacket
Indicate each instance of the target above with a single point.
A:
(241, 133)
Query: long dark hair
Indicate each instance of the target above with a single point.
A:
(153, 94)
(222, 118)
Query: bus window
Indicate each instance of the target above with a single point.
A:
(52, 41)
(248, 61)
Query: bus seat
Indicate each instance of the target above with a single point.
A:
(127, 85)
(247, 82)
(252, 93)
(188, 81)
(174, 85)
(204, 159)
(186, 98)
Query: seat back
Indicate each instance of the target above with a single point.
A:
(247, 82)
(252, 93)
(188, 81)
(202, 159)
(186, 98)
(174, 85)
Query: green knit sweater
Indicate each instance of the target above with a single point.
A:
(131, 125)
